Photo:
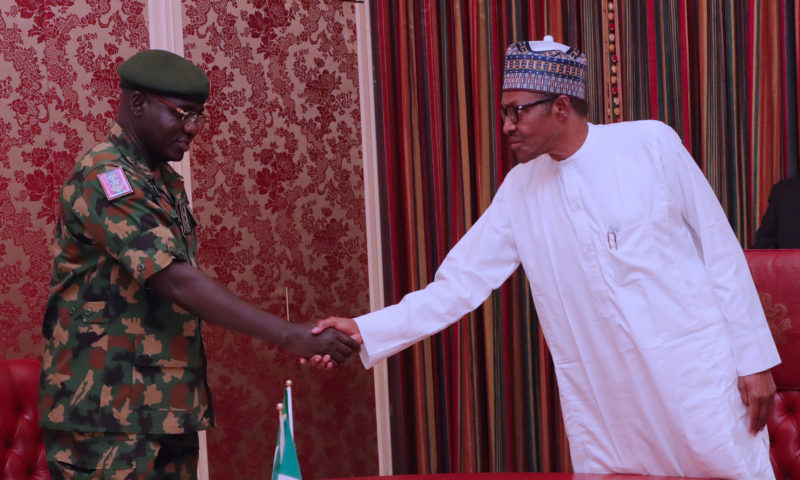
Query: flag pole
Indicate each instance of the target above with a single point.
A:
(289, 406)
(279, 407)
(286, 465)
(276, 461)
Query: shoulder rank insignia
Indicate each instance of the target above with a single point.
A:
(115, 183)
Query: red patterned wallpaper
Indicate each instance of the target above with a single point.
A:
(58, 89)
(277, 187)
(278, 190)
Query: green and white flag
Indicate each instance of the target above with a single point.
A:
(286, 466)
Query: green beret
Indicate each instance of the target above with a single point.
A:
(166, 73)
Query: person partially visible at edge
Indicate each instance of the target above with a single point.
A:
(123, 386)
(661, 347)
(780, 225)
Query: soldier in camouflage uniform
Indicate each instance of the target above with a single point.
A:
(123, 387)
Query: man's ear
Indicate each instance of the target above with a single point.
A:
(137, 102)
(562, 107)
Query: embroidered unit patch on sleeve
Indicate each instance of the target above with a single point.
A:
(115, 183)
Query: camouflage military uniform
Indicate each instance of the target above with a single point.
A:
(121, 456)
(118, 357)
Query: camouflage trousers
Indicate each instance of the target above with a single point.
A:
(121, 456)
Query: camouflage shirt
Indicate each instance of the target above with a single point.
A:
(118, 357)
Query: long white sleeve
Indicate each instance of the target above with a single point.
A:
(480, 262)
(726, 267)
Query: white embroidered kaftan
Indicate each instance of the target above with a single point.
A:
(643, 294)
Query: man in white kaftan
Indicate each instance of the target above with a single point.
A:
(656, 330)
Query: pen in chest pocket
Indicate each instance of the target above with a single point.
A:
(611, 236)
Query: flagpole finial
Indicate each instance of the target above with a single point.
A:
(288, 383)
(279, 407)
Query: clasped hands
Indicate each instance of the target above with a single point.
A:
(345, 339)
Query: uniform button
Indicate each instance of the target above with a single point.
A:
(87, 311)
(73, 310)
(140, 267)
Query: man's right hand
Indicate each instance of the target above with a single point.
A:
(345, 325)
(333, 344)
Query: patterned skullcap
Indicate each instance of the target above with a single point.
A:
(164, 72)
(545, 67)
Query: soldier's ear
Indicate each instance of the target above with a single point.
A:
(137, 102)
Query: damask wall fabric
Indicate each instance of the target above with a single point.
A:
(58, 98)
(277, 189)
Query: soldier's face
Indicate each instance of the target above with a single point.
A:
(166, 136)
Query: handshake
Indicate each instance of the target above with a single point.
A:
(324, 343)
